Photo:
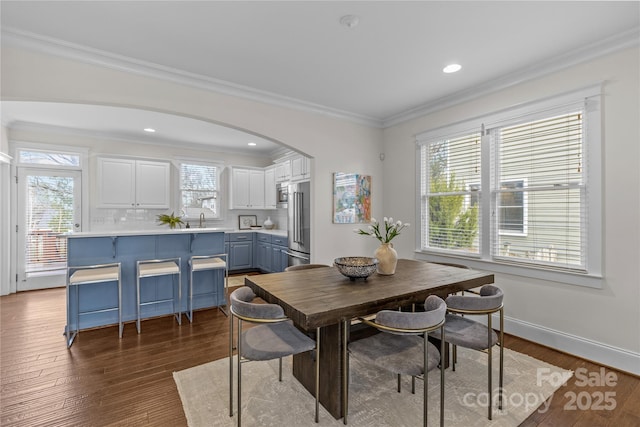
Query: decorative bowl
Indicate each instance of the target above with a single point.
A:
(356, 267)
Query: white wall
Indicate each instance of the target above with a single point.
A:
(335, 145)
(5, 213)
(599, 324)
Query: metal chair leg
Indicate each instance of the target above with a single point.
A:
(317, 375)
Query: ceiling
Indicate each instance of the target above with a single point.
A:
(298, 54)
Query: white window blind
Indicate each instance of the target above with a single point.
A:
(450, 182)
(548, 154)
(49, 213)
(199, 190)
(526, 185)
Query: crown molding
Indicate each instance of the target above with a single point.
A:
(56, 47)
(624, 40)
(73, 51)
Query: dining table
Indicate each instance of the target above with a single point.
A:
(324, 298)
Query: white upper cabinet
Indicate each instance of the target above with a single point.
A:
(247, 188)
(283, 171)
(300, 168)
(125, 183)
(270, 201)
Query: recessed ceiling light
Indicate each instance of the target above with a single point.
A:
(452, 68)
(150, 130)
(350, 21)
(252, 144)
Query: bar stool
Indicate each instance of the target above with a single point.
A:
(203, 263)
(86, 275)
(155, 268)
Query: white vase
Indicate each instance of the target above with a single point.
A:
(268, 224)
(387, 259)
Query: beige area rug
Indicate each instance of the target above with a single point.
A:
(235, 281)
(373, 399)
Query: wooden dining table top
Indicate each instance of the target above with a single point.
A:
(323, 296)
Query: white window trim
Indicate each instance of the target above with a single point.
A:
(592, 157)
(220, 192)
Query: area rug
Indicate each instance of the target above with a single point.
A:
(373, 398)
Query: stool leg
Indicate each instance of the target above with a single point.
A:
(179, 293)
(120, 325)
(138, 299)
(190, 303)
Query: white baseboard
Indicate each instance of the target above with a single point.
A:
(607, 355)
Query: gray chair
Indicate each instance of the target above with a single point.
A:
(274, 337)
(462, 331)
(304, 267)
(402, 347)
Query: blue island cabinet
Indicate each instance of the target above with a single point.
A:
(90, 249)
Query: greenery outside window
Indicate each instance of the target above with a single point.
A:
(518, 190)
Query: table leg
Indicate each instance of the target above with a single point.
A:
(330, 369)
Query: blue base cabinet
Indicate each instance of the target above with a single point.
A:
(128, 249)
(279, 257)
(240, 251)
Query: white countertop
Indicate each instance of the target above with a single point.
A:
(152, 232)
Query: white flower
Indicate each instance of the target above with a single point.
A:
(384, 234)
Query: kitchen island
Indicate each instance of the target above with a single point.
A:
(128, 247)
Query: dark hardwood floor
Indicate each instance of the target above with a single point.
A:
(104, 381)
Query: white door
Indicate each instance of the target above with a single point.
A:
(49, 204)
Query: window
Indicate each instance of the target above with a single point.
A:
(517, 191)
(199, 190)
(48, 158)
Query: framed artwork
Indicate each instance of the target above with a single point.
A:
(245, 222)
(351, 198)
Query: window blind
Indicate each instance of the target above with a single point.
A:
(49, 213)
(199, 190)
(541, 213)
(450, 184)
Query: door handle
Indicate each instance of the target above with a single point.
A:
(296, 256)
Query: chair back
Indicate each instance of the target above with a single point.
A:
(489, 301)
(243, 308)
(403, 323)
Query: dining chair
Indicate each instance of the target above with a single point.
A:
(304, 267)
(401, 347)
(274, 337)
(461, 331)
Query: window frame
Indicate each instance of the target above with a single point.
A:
(194, 213)
(590, 100)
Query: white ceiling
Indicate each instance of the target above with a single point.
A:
(297, 53)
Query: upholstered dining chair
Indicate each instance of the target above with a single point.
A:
(464, 332)
(304, 267)
(274, 337)
(402, 347)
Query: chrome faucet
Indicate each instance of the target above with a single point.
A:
(201, 219)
